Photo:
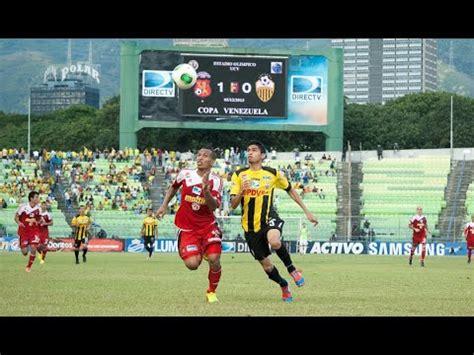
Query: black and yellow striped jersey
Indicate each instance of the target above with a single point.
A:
(149, 226)
(81, 224)
(257, 201)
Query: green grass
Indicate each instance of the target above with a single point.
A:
(127, 284)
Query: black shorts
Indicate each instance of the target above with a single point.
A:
(78, 242)
(149, 240)
(258, 241)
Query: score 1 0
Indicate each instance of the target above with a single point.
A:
(235, 87)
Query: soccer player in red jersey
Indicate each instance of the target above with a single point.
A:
(419, 225)
(469, 234)
(46, 221)
(199, 235)
(28, 217)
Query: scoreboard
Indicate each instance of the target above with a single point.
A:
(236, 89)
(236, 86)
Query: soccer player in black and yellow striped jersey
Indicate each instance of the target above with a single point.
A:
(252, 188)
(149, 231)
(82, 225)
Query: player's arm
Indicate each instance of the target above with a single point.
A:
(31, 220)
(168, 197)
(235, 199)
(465, 231)
(296, 197)
(283, 183)
(412, 227)
(142, 231)
(237, 190)
(427, 229)
(46, 223)
(17, 220)
(211, 202)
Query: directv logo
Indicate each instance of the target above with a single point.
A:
(306, 88)
(157, 83)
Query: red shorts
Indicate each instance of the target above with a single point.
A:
(28, 239)
(204, 241)
(470, 243)
(44, 238)
(418, 240)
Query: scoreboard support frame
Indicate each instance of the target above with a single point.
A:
(129, 89)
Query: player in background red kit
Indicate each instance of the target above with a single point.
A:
(419, 225)
(469, 234)
(199, 235)
(46, 221)
(28, 217)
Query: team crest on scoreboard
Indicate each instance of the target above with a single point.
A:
(265, 87)
(202, 88)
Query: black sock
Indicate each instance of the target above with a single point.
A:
(285, 257)
(147, 248)
(150, 251)
(274, 275)
(84, 252)
(77, 254)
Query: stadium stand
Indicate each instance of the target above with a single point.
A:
(393, 188)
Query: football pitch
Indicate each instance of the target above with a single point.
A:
(126, 284)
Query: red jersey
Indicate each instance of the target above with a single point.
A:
(420, 223)
(193, 213)
(26, 211)
(469, 231)
(44, 233)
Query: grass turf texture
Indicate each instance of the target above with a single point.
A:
(126, 284)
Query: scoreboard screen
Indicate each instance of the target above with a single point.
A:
(230, 86)
(256, 89)
(235, 89)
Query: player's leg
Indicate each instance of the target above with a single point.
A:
(40, 252)
(189, 249)
(192, 262)
(412, 251)
(45, 249)
(273, 236)
(85, 247)
(213, 253)
(258, 246)
(423, 252)
(34, 246)
(305, 246)
(152, 245)
(275, 276)
(301, 247)
(469, 252)
(24, 243)
(145, 243)
(41, 249)
(77, 245)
